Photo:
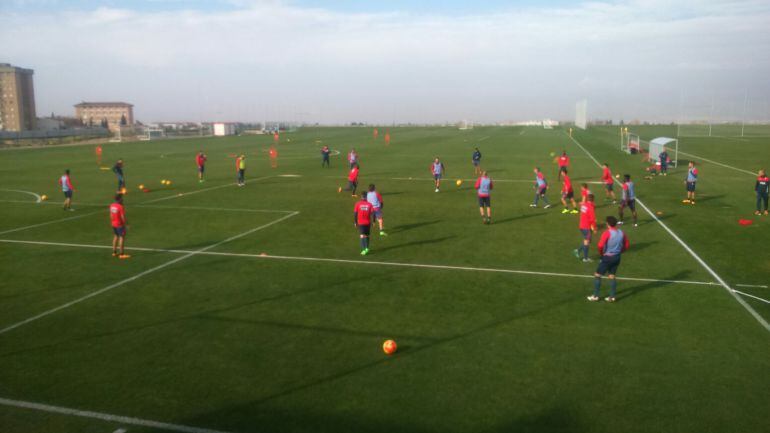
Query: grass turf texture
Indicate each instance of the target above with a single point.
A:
(259, 344)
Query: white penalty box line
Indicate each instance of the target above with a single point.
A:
(687, 248)
(186, 255)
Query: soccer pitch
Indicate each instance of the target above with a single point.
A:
(250, 309)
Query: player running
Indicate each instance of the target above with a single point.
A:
(611, 245)
(352, 181)
(362, 218)
(563, 162)
(587, 227)
(325, 152)
(567, 193)
(119, 226)
(375, 199)
(240, 168)
(66, 187)
(200, 160)
(352, 158)
(484, 187)
(628, 199)
(692, 179)
(437, 170)
(118, 170)
(762, 187)
(608, 183)
(476, 159)
(541, 187)
(584, 191)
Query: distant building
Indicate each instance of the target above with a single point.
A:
(17, 98)
(112, 115)
(221, 129)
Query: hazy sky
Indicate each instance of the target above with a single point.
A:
(394, 60)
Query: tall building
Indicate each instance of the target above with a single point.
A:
(110, 114)
(17, 98)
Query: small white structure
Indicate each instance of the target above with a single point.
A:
(658, 145)
(221, 129)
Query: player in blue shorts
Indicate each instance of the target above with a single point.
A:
(611, 245)
(476, 159)
(541, 187)
(628, 199)
(375, 199)
(437, 170)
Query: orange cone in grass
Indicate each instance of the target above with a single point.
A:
(389, 347)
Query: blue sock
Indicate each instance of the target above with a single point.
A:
(597, 285)
(366, 242)
(537, 197)
(585, 251)
(363, 243)
(545, 199)
(613, 287)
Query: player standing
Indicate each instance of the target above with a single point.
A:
(611, 245)
(541, 187)
(587, 226)
(663, 160)
(437, 170)
(584, 191)
(476, 159)
(352, 158)
(240, 167)
(563, 162)
(362, 218)
(484, 187)
(352, 181)
(67, 189)
(387, 138)
(608, 183)
(119, 225)
(762, 187)
(98, 152)
(375, 199)
(273, 152)
(692, 179)
(325, 152)
(118, 170)
(567, 193)
(200, 160)
(375, 133)
(628, 199)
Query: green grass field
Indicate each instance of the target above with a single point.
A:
(250, 309)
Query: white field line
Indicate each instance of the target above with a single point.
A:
(185, 194)
(523, 130)
(82, 215)
(101, 416)
(752, 296)
(187, 255)
(38, 199)
(751, 286)
(222, 209)
(358, 262)
(120, 430)
(687, 248)
(718, 163)
(482, 138)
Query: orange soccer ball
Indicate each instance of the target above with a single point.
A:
(389, 347)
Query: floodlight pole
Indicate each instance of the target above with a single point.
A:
(711, 115)
(745, 105)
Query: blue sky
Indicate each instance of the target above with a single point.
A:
(394, 60)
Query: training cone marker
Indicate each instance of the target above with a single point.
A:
(389, 347)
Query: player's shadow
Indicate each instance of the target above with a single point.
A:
(636, 290)
(415, 243)
(518, 217)
(638, 246)
(392, 193)
(406, 227)
(704, 197)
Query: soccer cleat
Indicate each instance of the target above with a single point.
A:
(546, 206)
(610, 299)
(686, 201)
(766, 213)
(576, 253)
(587, 260)
(592, 298)
(573, 211)
(339, 190)
(565, 210)
(124, 256)
(614, 202)
(365, 251)
(620, 223)
(692, 202)
(114, 254)
(353, 195)
(636, 225)
(70, 209)
(436, 189)
(533, 205)
(757, 213)
(382, 233)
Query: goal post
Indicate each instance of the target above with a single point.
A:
(629, 142)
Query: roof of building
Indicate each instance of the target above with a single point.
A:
(104, 104)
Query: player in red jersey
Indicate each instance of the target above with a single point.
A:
(119, 226)
(387, 138)
(375, 133)
(273, 157)
(200, 160)
(587, 226)
(584, 191)
(352, 181)
(98, 152)
(608, 183)
(563, 162)
(362, 218)
(567, 193)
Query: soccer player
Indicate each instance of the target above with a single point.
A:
(273, 157)
(611, 245)
(352, 181)
(584, 191)
(567, 193)
(476, 159)
(118, 170)
(587, 226)
(563, 162)
(375, 199)
(608, 183)
(541, 187)
(663, 160)
(325, 152)
(692, 179)
(628, 199)
(387, 138)
(362, 218)
(119, 224)
(240, 167)
(762, 187)
(437, 170)
(352, 158)
(375, 133)
(98, 152)
(484, 186)
(200, 160)
(66, 186)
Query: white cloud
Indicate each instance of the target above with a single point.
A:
(631, 59)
